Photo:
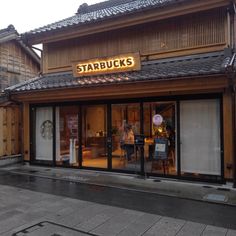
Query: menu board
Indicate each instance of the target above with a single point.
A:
(161, 149)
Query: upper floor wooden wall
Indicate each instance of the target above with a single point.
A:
(198, 32)
(16, 65)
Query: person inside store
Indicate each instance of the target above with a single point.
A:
(127, 141)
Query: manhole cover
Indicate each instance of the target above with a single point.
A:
(47, 228)
(216, 197)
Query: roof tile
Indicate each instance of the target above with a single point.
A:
(171, 68)
(103, 10)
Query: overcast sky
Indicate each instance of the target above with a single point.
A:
(27, 15)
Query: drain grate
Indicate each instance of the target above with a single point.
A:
(33, 171)
(215, 197)
(50, 229)
(206, 186)
(224, 189)
(75, 178)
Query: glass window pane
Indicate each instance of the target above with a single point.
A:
(160, 129)
(125, 125)
(67, 136)
(94, 133)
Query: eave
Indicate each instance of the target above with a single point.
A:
(171, 87)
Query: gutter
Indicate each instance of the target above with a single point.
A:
(29, 51)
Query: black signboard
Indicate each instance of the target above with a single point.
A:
(161, 149)
(139, 140)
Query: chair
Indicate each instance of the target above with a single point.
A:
(122, 152)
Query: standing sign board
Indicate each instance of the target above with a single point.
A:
(161, 149)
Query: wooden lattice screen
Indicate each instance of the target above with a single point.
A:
(9, 131)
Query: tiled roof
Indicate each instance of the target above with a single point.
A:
(104, 10)
(10, 33)
(163, 69)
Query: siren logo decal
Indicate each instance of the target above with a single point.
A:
(46, 129)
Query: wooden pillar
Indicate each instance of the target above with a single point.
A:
(234, 134)
(1, 132)
(228, 134)
(26, 132)
(9, 114)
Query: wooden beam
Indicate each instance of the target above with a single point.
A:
(126, 90)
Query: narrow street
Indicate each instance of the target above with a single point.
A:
(104, 210)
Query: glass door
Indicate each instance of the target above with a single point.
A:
(160, 138)
(94, 136)
(67, 144)
(44, 134)
(125, 125)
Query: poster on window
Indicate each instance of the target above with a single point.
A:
(72, 121)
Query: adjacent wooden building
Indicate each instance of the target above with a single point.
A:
(166, 69)
(18, 63)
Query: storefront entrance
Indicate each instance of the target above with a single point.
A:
(181, 138)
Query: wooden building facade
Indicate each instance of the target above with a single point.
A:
(162, 70)
(18, 63)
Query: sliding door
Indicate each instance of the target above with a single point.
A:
(94, 136)
(200, 138)
(125, 125)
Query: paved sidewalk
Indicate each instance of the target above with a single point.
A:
(222, 194)
(28, 213)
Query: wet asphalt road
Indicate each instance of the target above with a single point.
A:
(197, 211)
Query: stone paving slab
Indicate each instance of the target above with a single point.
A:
(214, 231)
(117, 223)
(140, 226)
(166, 226)
(49, 228)
(231, 233)
(191, 228)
